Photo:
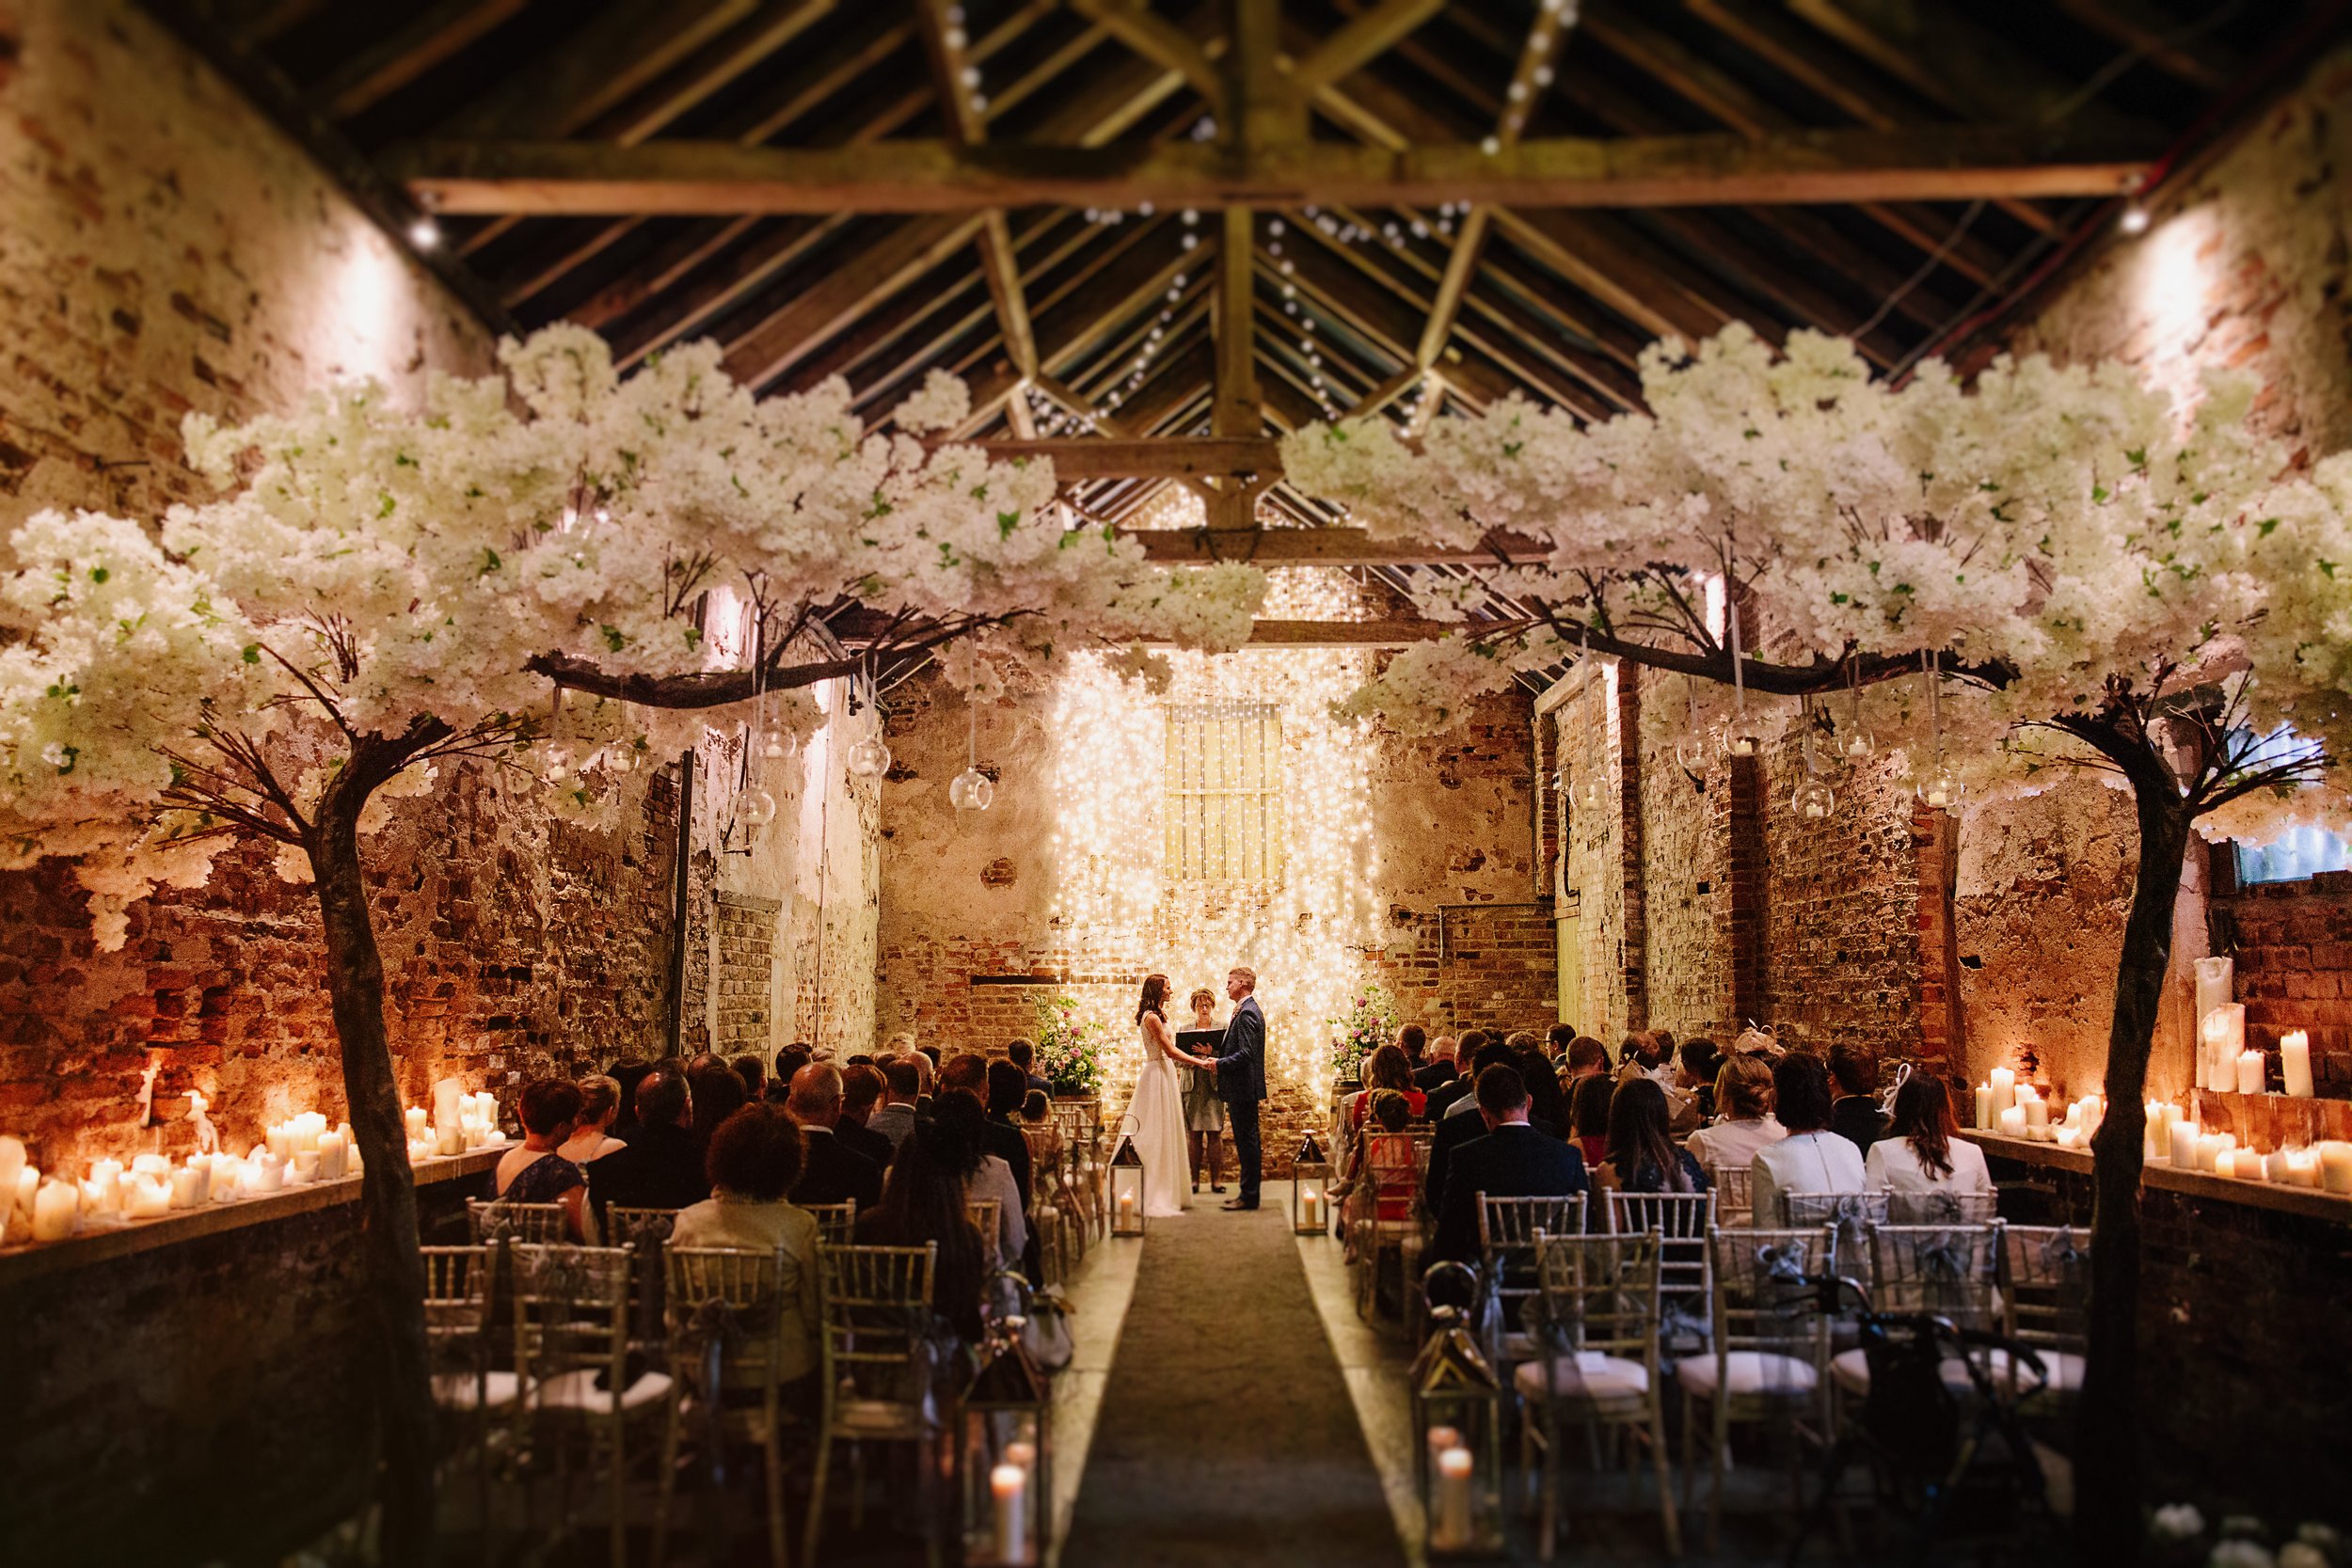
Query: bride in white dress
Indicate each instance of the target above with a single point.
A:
(1158, 1110)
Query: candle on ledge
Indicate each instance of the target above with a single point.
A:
(305, 1166)
(105, 1185)
(2013, 1122)
(183, 1188)
(2037, 1115)
(2004, 1089)
(1985, 1122)
(2249, 1165)
(2224, 1036)
(2335, 1165)
(2302, 1167)
(1126, 1208)
(57, 1208)
(2295, 1063)
(27, 1183)
(1010, 1483)
(2180, 1146)
(147, 1195)
(1451, 1529)
(2068, 1137)
(266, 1172)
(149, 1165)
(417, 1124)
(2249, 1072)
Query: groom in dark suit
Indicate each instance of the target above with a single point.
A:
(1241, 1079)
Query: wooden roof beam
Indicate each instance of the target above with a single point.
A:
(432, 36)
(548, 178)
(1359, 40)
(1157, 40)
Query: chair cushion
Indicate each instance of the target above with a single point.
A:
(1596, 1378)
(1851, 1370)
(856, 1417)
(578, 1390)
(1749, 1372)
(460, 1391)
(2062, 1371)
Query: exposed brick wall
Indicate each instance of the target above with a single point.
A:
(746, 975)
(2292, 947)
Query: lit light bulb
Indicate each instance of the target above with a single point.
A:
(1855, 744)
(756, 809)
(1812, 800)
(1939, 788)
(869, 759)
(970, 790)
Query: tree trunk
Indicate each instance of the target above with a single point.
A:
(397, 1370)
(2108, 1451)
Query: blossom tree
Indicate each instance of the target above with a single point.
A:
(385, 594)
(2047, 572)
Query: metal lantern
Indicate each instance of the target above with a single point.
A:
(1310, 1190)
(1126, 1189)
(1457, 1429)
(1003, 1469)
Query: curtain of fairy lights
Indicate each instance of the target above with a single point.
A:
(1121, 904)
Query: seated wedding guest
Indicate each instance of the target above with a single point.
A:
(1384, 1165)
(1457, 1088)
(992, 1177)
(1662, 1042)
(719, 1093)
(1811, 1159)
(1584, 1057)
(1853, 1072)
(894, 1118)
(1918, 1153)
(661, 1167)
(1512, 1160)
(862, 1087)
(1490, 1052)
(1636, 1056)
(1699, 1063)
(1023, 1055)
(1547, 1103)
(1641, 1153)
(1441, 1065)
(1455, 1131)
(932, 1051)
(927, 1077)
(1037, 1127)
(830, 1171)
(753, 1072)
(625, 1077)
(1744, 1118)
(592, 1137)
(535, 1173)
(925, 1202)
(790, 1061)
(1414, 1042)
(967, 1072)
(755, 1159)
(1588, 1115)
(1385, 1069)
(1007, 1086)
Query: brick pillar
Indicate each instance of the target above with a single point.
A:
(1935, 836)
(1626, 726)
(1747, 884)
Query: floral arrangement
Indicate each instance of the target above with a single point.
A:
(2178, 1535)
(1361, 1030)
(1069, 1047)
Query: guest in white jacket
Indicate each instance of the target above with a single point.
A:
(1811, 1159)
(1919, 1155)
(1743, 1122)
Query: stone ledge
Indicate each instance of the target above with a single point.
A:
(33, 1259)
(2333, 1207)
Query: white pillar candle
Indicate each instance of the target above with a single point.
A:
(56, 1207)
(305, 1166)
(1985, 1122)
(183, 1188)
(417, 1123)
(330, 1156)
(2335, 1165)
(2249, 1165)
(2037, 1113)
(2302, 1167)
(2013, 1122)
(151, 1164)
(266, 1172)
(2068, 1137)
(2275, 1168)
(2215, 983)
(1451, 1529)
(2211, 1146)
(2249, 1072)
(2180, 1146)
(2003, 1091)
(2223, 1035)
(149, 1196)
(448, 1103)
(419, 1150)
(1011, 1484)
(449, 1139)
(2295, 1063)
(27, 1183)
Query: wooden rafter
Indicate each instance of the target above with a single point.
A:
(433, 35)
(1157, 40)
(612, 55)
(687, 177)
(1359, 40)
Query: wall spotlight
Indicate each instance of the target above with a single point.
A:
(2135, 219)
(425, 233)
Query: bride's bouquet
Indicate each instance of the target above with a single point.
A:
(1361, 1030)
(1069, 1054)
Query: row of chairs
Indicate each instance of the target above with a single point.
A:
(1582, 1328)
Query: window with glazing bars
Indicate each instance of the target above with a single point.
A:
(1224, 804)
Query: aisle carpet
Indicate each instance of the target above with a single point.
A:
(1227, 1435)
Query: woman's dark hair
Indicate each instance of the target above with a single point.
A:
(1391, 1110)
(1641, 1138)
(627, 1075)
(1387, 1068)
(1699, 1057)
(719, 1093)
(924, 1202)
(1007, 1086)
(1800, 1092)
(1413, 1040)
(1923, 1114)
(1544, 1099)
(753, 1072)
(1589, 1110)
(547, 1103)
(1155, 997)
(1854, 1066)
(1036, 1106)
(1638, 1048)
(756, 1153)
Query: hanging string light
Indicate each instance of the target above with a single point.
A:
(1812, 800)
(1939, 788)
(1855, 744)
(971, 790)
(1739, 741)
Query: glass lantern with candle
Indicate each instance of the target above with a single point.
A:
(1126, 1172)
(1310, 1190)
(1457, 1425)
(1005, 1461)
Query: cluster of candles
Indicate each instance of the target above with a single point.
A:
(2017, 1109)
(295, 1152)
(1009, 1484)
(1450, 1467)
(2224, 1064)
(2178, 1141)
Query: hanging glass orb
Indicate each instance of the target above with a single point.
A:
(1690, 754)
(1737, 744)
(1939, 788)
(1812, 800)
(779, 744)
(619, 758)
(1855, 744)
(970, 790)
(869, 759)
(557, 766)
(756, 809)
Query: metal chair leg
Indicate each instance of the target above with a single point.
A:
(1665, 1482)
(816, 1501)
(668, 1480)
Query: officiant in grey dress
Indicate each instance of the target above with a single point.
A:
(1204, 1111)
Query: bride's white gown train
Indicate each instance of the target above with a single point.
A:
(1157, 1112)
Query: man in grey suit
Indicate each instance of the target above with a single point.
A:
(1241, 1079)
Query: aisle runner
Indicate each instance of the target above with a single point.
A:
(1227, 1435)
